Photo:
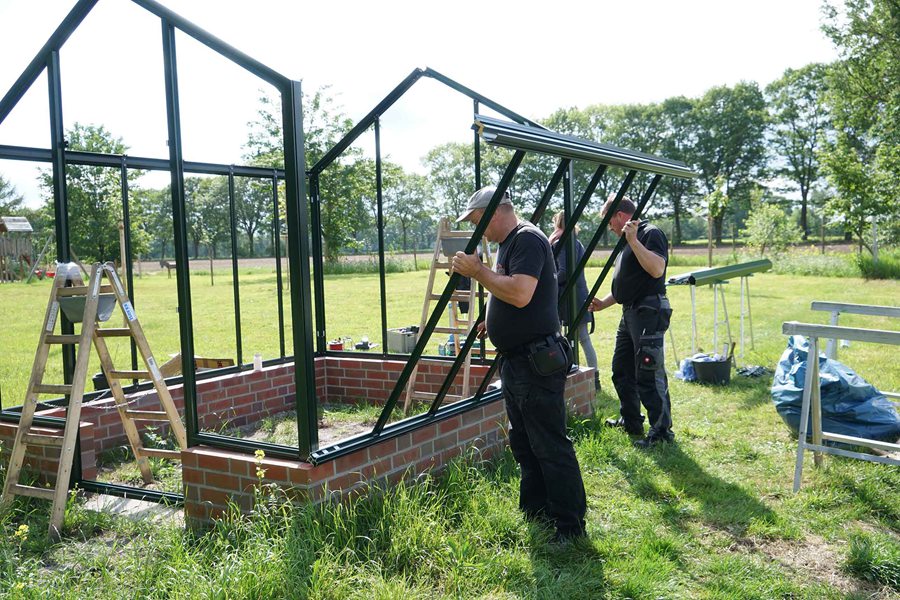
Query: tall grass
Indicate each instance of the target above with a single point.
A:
(887, 267)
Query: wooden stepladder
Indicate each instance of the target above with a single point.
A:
(447, 244)
(69, 293)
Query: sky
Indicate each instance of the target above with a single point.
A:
(532, 57)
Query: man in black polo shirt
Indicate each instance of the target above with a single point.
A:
(638, 369)
(522, 310)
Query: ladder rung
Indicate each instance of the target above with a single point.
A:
(129, 374)
(161, 453)
(114, 332)
(451, 330)
(36, 439)
(81, 290)
(441, 265)
(62, 339)
(34, 492)
(147, 415)
(462, 297)
(52, 389)
(456, 234)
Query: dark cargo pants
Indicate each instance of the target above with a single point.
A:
(551, 486)
(634, 385)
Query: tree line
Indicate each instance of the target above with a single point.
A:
(821, 143)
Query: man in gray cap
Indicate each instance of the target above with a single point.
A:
(522, 322)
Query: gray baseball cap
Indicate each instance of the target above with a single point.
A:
(481, 199)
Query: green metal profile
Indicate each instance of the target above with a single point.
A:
(297, 223)
(709, 276)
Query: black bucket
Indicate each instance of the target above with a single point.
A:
(716, 372)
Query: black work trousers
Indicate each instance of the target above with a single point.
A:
(551, 486)
(634, 384)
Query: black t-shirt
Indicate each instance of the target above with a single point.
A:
(525, 251)
(630, 281)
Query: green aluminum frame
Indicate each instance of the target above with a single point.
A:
(522, 136)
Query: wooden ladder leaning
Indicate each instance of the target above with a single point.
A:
(445, 246)
(68, 287)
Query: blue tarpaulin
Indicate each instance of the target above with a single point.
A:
(850, 405)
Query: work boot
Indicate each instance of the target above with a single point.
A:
(635, 430)
(654, 439)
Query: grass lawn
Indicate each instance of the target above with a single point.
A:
(711, 516)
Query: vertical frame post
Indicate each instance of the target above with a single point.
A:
(182, 274)
(232, 219)
(379, 201)
(315, 203)
(127, 266)
(276, 244)
(298, 251)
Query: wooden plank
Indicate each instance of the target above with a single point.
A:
(62, 339)
(147, 415)
(81, 290)
(855, 441)
(871, 310)
(114, 332)
(128, 375)
(35, 439)
(877, 336)
(58, 389)
(451, 330)
(34, 492)
(162, 453)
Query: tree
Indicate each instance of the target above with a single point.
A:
(716, 203)
(676, 144)
(769, 228)
(407, 203)
(863, 161)
(94, 195)
(729, 126)
(151, 214)
(343, 186)
(11, 201)
(252, 207)
(798, 122)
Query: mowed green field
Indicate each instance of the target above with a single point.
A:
(353, 310)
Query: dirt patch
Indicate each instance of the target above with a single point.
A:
(812, 559)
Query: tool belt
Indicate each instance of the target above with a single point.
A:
(547, 355)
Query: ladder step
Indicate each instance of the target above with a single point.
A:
(36, 439)
(62, 339)
(81, 290)
(441, 265)
(34, 492)
(451, 330)
(456, 234)
(114, 332)
(129, 374)
(52, 389)
(461, 297)
(147, 415)
(161, 453)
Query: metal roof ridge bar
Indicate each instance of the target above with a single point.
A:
(37, 64)
(482, 99)
(366, 122)
(218, 45)
(519, 137)
(584, 141)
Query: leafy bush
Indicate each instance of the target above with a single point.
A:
(887, 267)
(769, 228)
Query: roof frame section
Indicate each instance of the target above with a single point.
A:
(81, 10)
(366, 122)
(523, 137)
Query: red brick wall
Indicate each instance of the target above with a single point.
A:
(214, 478)
(43, 461)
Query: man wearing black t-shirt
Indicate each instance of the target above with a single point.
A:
(522, 309)
(638, 369)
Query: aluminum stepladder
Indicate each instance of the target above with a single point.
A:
(447, 242)
(68, 286)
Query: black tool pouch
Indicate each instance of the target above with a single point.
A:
(550, 355)
(650, 353)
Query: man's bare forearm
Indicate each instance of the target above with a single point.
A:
(650, 261)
